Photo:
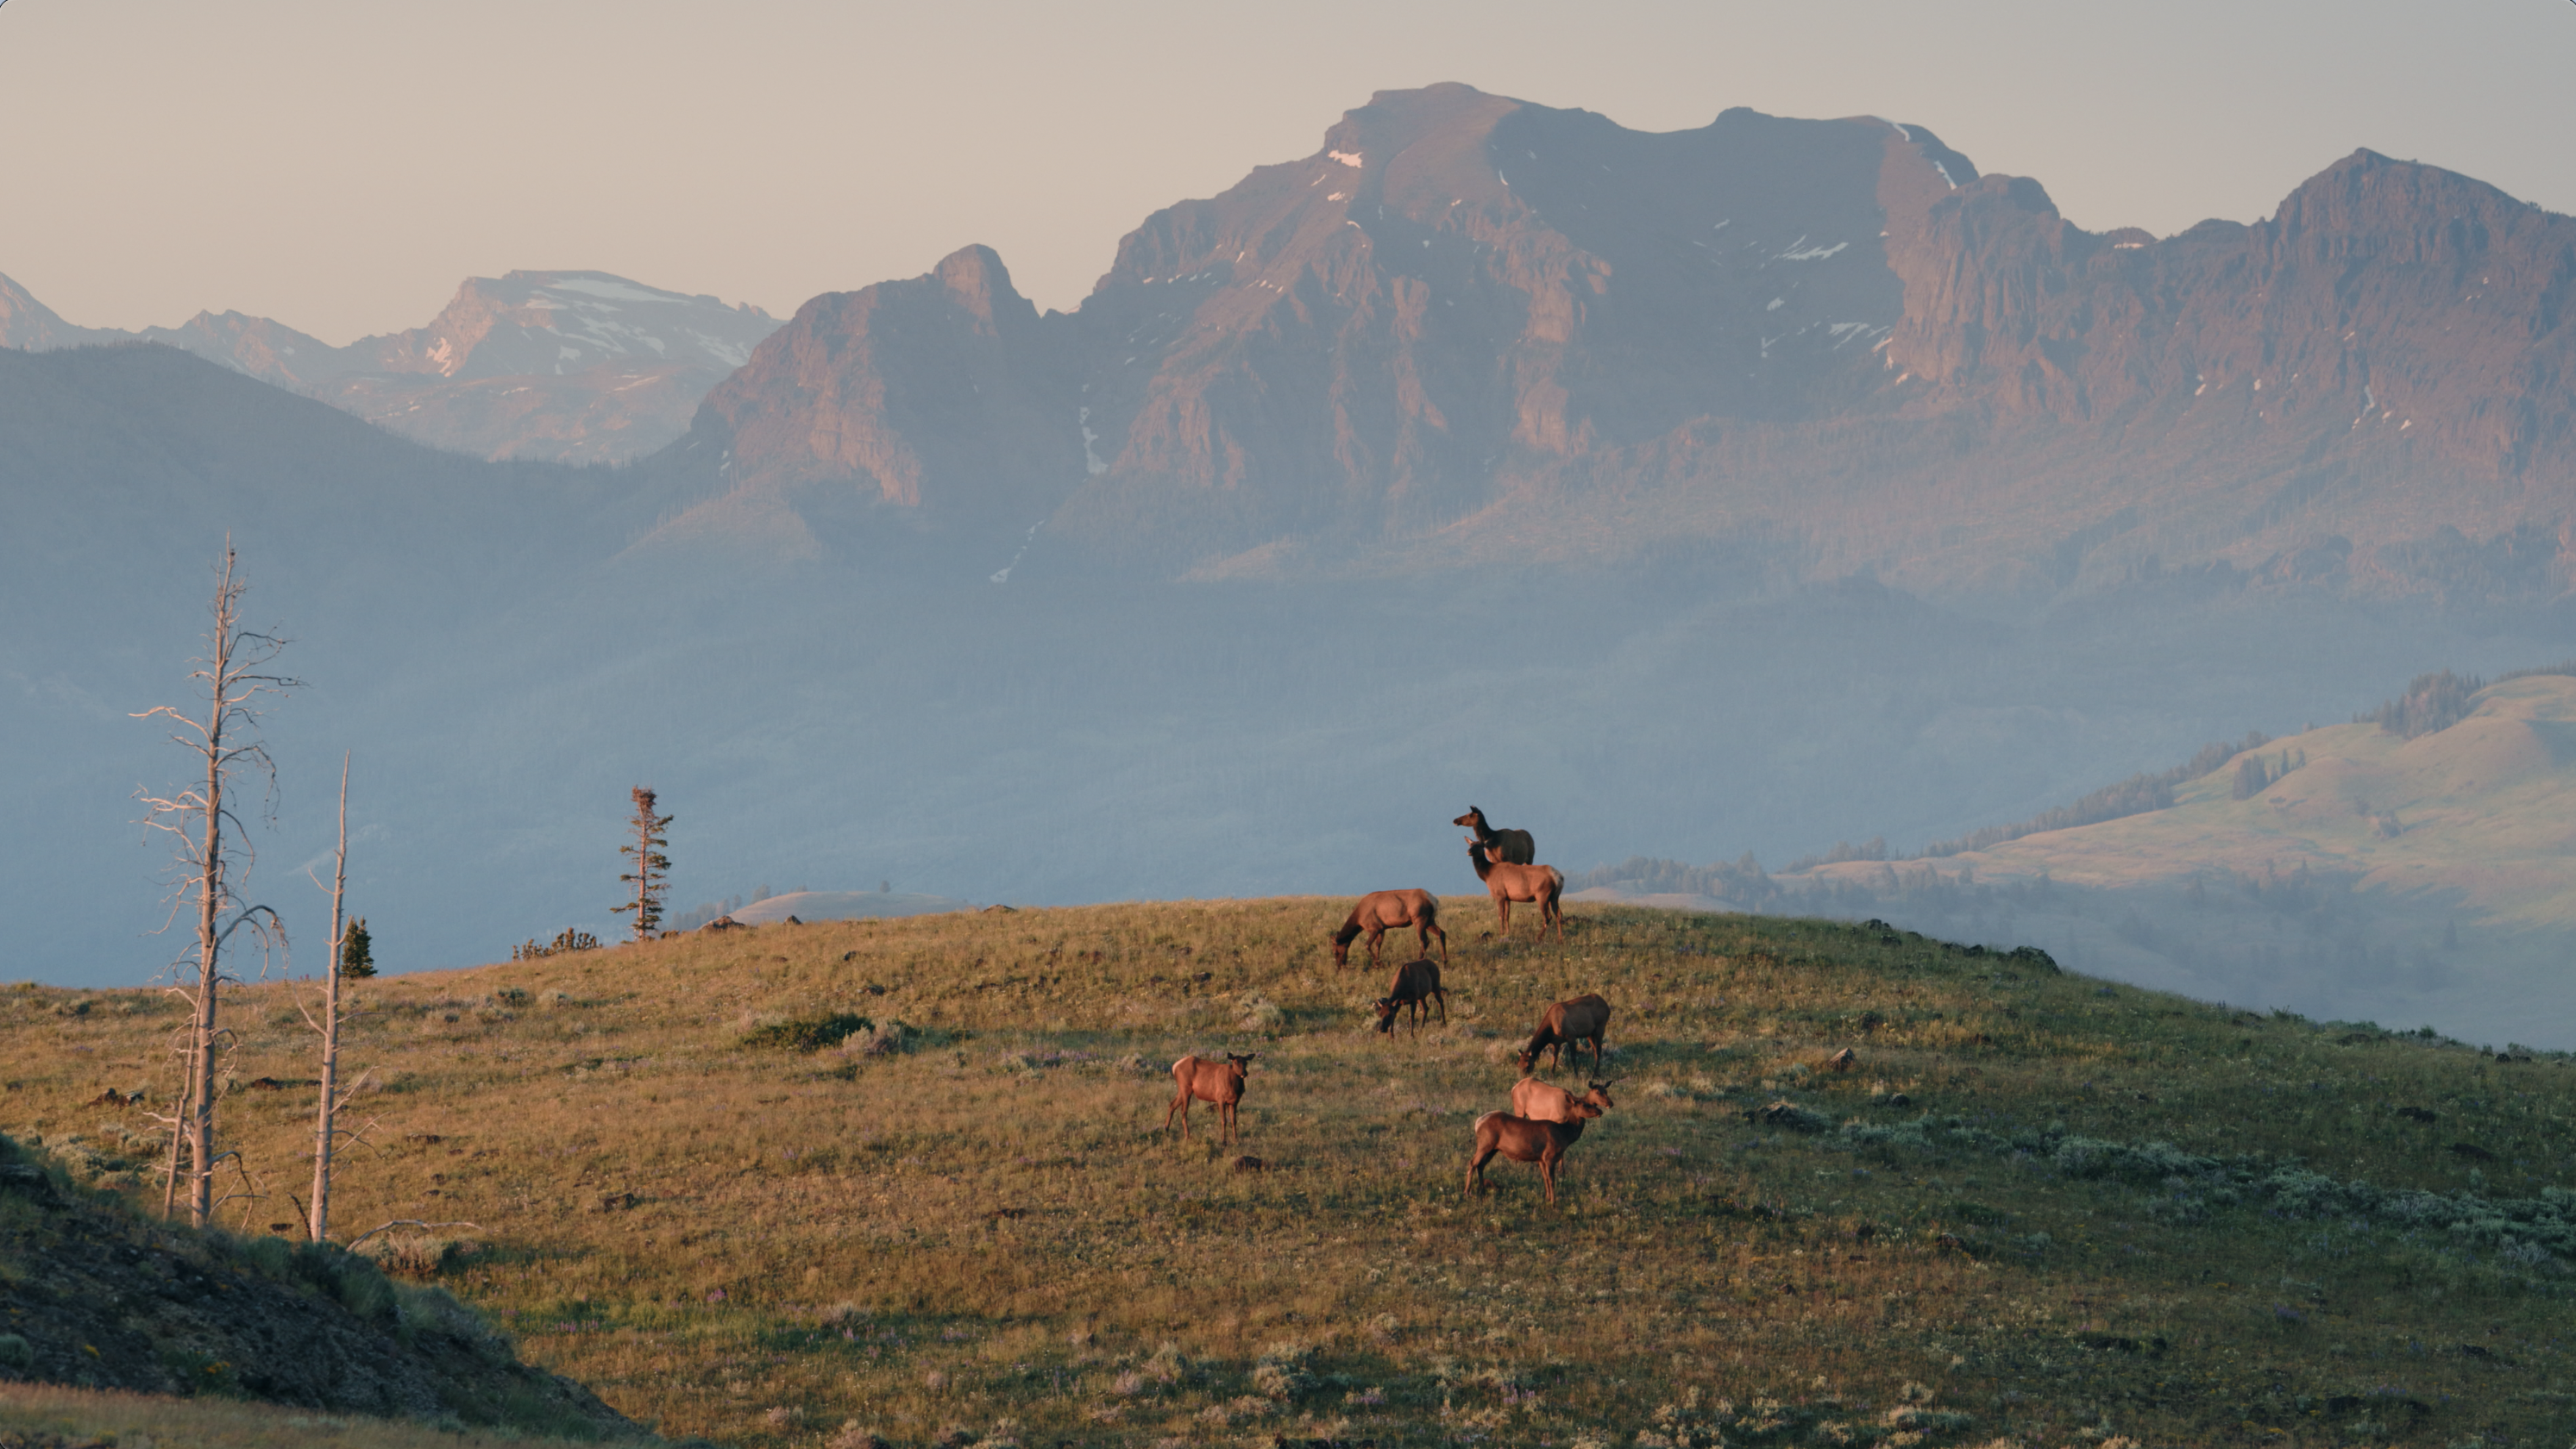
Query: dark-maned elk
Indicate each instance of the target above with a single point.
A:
(1581, 1019)
(1547, 1102)
(1382, 911)
(1512, 847)
(1202, 1080)
(1542, 884)
(1415, 983)
(1523, 1140)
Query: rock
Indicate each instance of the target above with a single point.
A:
(2415, 1114)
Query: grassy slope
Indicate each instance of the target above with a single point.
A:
(758, 1245)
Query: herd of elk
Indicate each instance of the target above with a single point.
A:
(1544, 1119)
(1415, 982)
(1200, 1080)
(1507, 883)
(1382, 911)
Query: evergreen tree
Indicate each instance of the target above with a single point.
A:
(357, 952)
(652, 868)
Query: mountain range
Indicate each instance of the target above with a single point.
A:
(1469, 331)
(575, 367)
(1742, 488)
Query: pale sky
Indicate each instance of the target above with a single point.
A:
(340, 165)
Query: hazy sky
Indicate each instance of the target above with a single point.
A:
(341, 164)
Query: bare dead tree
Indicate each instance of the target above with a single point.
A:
(334, 1013)
(652, 868)
(214, 860)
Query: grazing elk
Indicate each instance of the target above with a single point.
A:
(1415, 983)
(1546, 1102)
(1525, 883)
(1524, 1140)
(1199, 1080)
(1382, 911)
(1584, 1018)
(1512, 847)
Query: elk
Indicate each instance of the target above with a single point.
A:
(1220, 1082)
(1584, 1018)
(1524, 1140)
(1415, 983)
(1507, 883)
(1546, 1102)
(1382, 911)
(1512, 847)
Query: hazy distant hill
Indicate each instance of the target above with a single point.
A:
(563, 366)
(1470, 331)
(2346, 870)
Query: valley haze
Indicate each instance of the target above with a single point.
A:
(1749, 487)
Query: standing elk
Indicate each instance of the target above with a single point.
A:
(1507, 883)
(1512, 847)
(1546, 1102)
(1581, 1019)
(1415, 983)
(1524, 1140)
(1382, 911)
(1220, 1082)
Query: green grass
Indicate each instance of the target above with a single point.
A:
(2101, 1214)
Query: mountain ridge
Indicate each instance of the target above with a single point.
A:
(1468, 330)
(560, 366)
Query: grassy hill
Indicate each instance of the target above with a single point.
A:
(2036, 1208)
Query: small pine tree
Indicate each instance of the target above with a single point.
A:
(357, 952)
(652, 868)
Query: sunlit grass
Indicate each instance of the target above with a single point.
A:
(975, 1219)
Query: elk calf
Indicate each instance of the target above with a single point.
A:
(1199, 1080)
(1545, 1102)
(1523, 1140)
(1415, 982)
(1581, 1019)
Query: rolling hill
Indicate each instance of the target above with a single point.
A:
(911, 1178)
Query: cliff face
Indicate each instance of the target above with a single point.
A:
(1472, 330)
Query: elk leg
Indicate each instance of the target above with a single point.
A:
(1476, 1170)
(1180, 1104)
(1443, 998)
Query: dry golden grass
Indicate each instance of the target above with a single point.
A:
(990, 1229)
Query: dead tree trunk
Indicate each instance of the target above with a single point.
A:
(214, 861)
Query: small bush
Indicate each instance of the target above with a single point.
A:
(808, 1033)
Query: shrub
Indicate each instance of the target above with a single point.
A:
(808, 1033)
(565, 942)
